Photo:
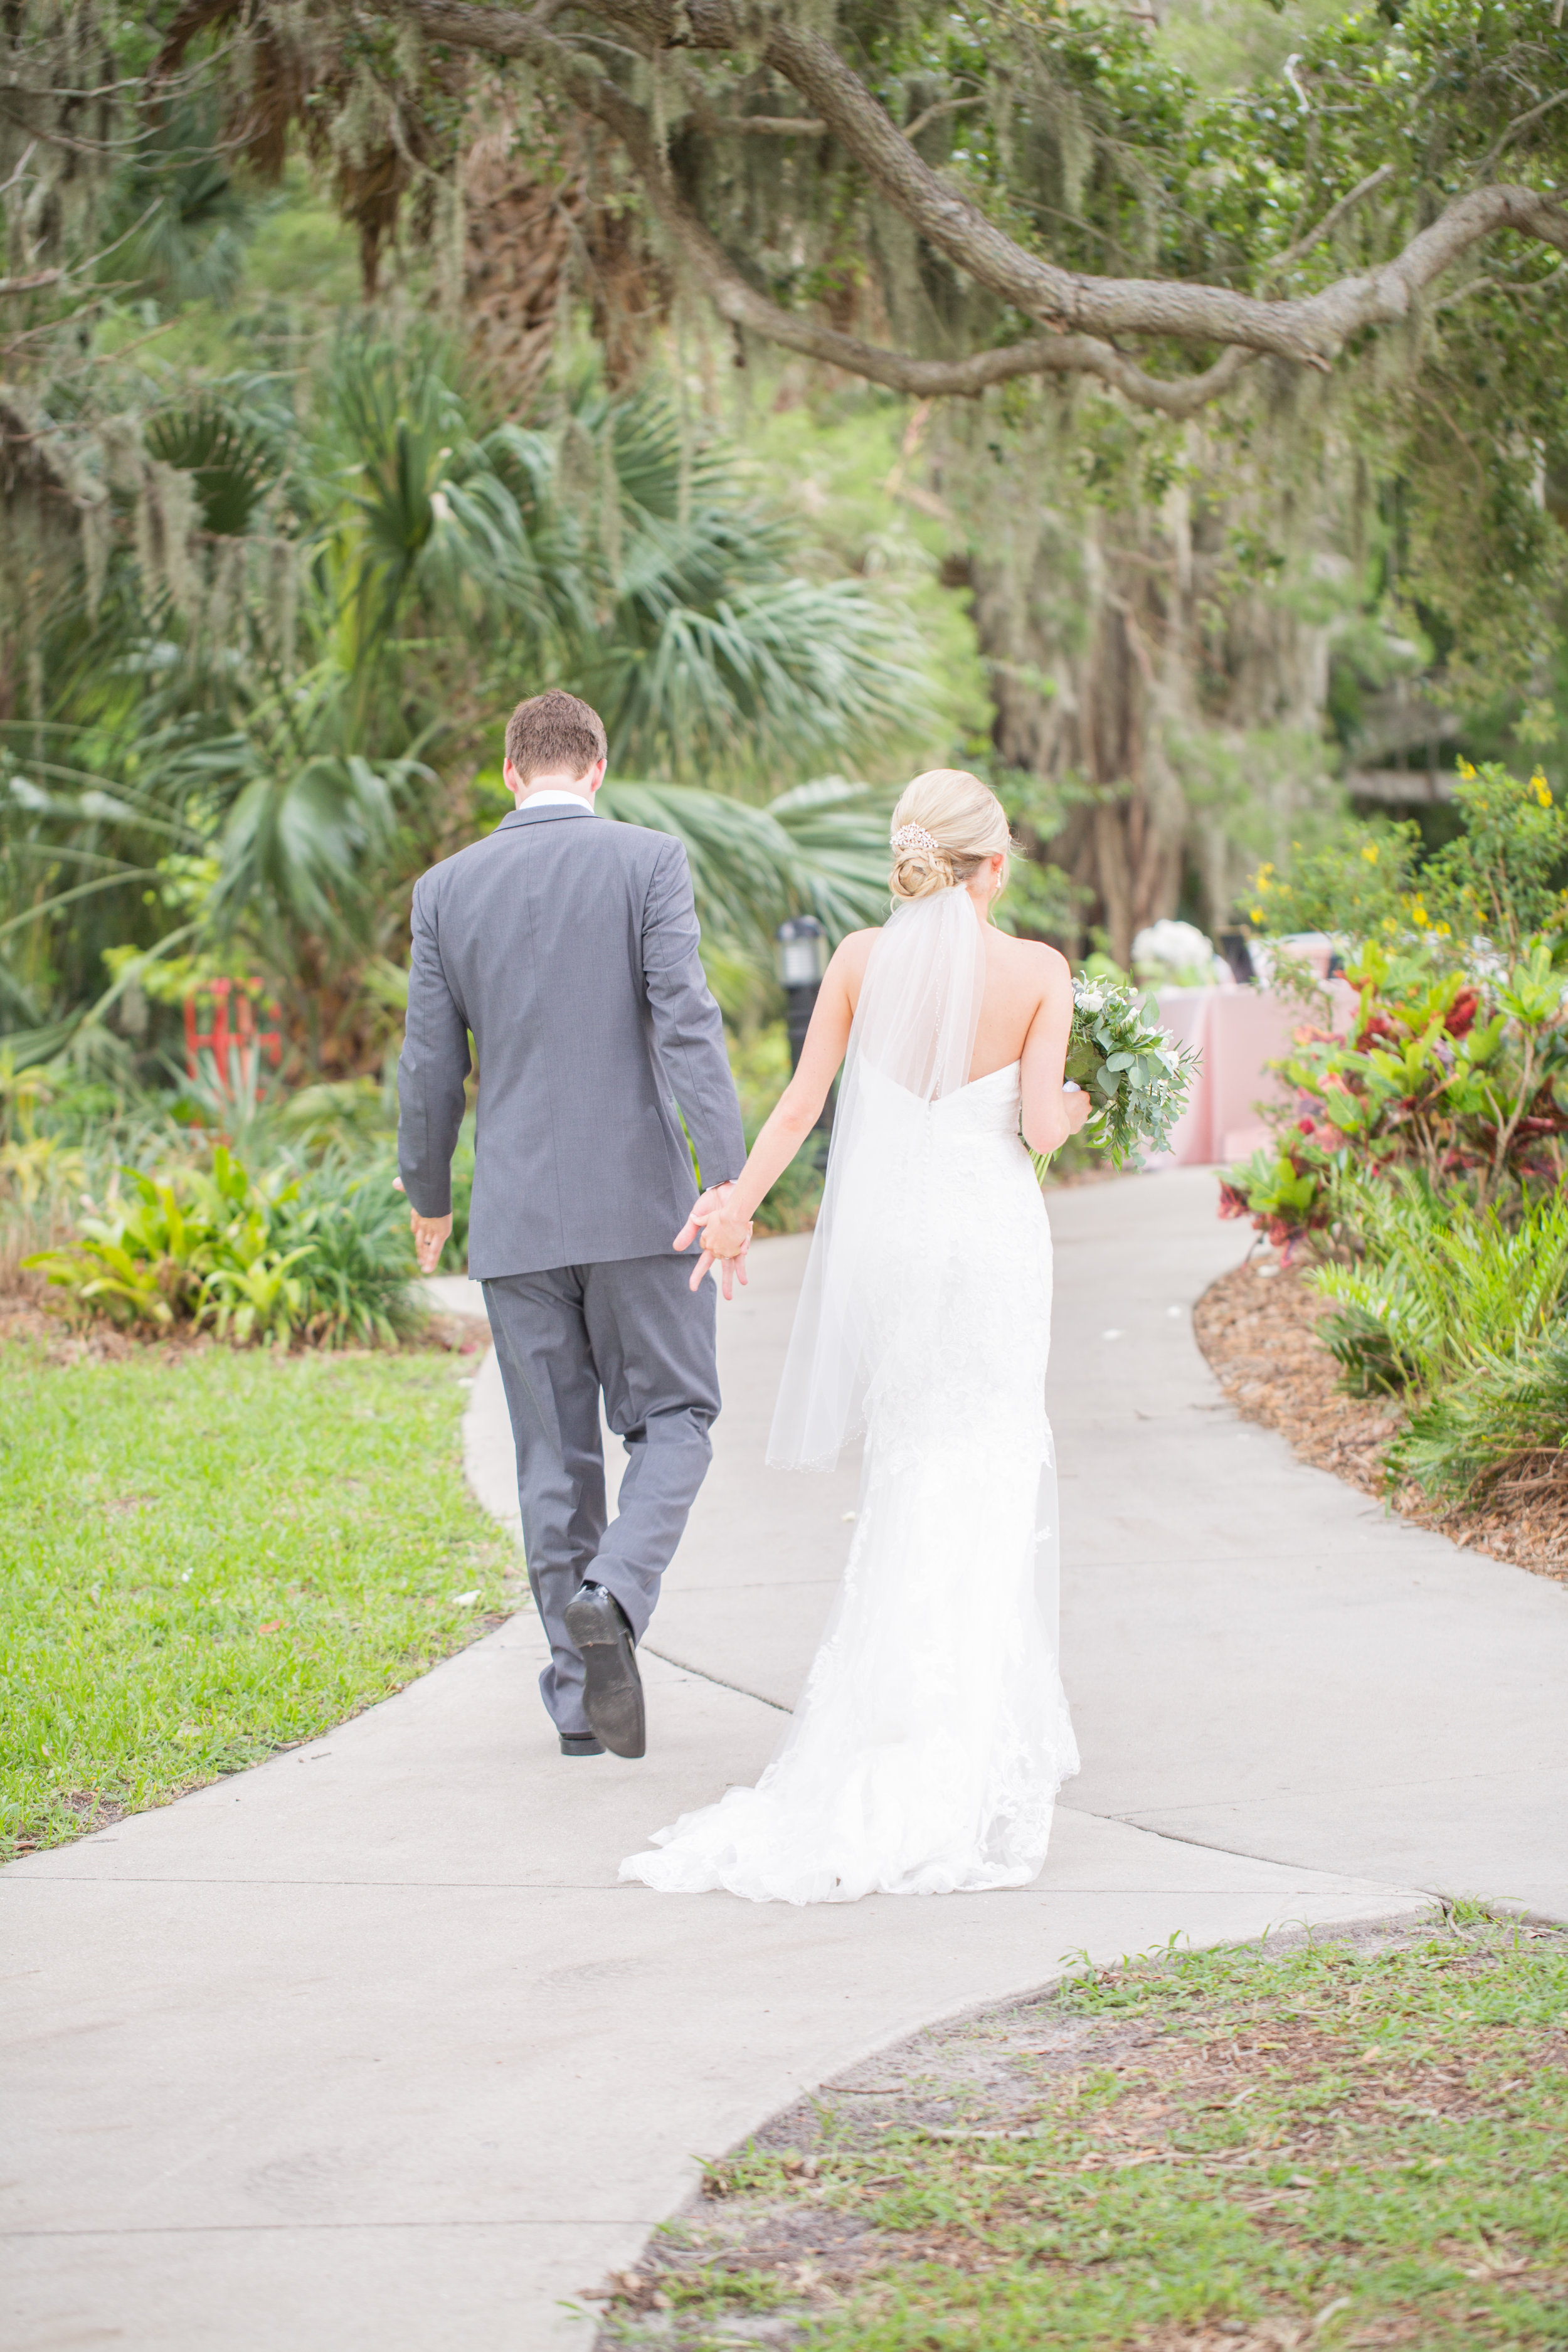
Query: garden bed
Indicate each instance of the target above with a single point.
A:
(1257, 1326)
(1349, 2140)
(217, 1552)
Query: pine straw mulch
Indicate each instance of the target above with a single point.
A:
(1256, 1327)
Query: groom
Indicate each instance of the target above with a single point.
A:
(567, 946)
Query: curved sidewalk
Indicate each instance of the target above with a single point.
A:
(367, 2048)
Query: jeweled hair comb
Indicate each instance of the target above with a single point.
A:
(915, 836)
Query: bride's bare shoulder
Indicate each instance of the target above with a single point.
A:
(1046, 967)
(853, 949)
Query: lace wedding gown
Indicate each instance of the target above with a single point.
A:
(927, 1747)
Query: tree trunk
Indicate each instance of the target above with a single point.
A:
(1176, 701)
(527, 241)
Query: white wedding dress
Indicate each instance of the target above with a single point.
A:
(932, 1735)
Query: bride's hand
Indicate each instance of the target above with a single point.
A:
(707, 1204)
(1079, 1108)
(725, 1241)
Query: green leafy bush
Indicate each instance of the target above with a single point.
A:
(1506, 1414)
(326, 1256)
(1424, 1145)
(356, 1255)
(1438, 1286)
(1462, 1076)
(1460, 1310)
(1499, 882)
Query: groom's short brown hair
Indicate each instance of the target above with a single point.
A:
(553, 731)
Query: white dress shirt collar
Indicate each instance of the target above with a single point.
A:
(558, 799)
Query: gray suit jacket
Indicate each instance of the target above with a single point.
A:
(568, 945)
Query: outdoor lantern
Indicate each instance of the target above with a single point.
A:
(800, 959)
(800, 953)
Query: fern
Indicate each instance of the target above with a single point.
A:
(1505, 1409)
(1440, 1288)
(1462, 1309)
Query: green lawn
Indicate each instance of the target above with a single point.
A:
(1360, 2143)
(209, 1555)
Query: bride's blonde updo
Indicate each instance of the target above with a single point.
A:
(947, 823)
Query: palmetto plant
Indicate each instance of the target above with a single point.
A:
(1441, 1289)
(286, 669)
(1507, 1412)
(1465, 1314)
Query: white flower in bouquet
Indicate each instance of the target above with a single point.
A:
(1137, 1078)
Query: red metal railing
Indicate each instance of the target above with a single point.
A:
(237, 1044)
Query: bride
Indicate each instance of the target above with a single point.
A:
(926, 1752)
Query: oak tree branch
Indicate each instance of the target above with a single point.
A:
(1084, 313)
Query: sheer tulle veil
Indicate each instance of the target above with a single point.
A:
(911, 1044)
(932, 1734)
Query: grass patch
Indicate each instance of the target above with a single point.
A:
(1351, 2143)
(211, 1554)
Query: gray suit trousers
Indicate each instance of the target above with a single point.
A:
(632, 1328)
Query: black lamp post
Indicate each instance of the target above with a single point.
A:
(800, 959)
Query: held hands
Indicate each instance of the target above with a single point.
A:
(725, 1238)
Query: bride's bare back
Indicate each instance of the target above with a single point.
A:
(1025, 1015)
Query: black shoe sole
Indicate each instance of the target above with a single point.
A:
(612, 1693)
(581, 1744)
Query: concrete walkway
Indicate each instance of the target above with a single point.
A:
(367, 2049)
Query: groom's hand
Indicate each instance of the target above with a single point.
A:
(431, 1236)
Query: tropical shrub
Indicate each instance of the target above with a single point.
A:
(1461, 1073)
(1461, 1310)
(1421, 1153)
(349, 1232)
(1436, 1286)
(1285, 1187)
(1454, 1060)
(1497, 884)
(148, 1255)
(325, 1256)
(1505, 1415)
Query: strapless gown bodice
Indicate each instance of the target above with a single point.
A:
(928, 1746)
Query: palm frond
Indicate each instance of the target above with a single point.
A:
(741, 857)
(838, 833)
(230, 462)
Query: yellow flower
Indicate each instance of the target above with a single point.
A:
(1418, 915)
(1543, 789)
(1441, 929)
(1257, 913)
(1466, 770)
(1389, 924)
(1370, 852)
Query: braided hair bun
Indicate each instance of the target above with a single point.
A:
(946, 825)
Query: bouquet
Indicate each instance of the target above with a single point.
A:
(1139, 1080)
